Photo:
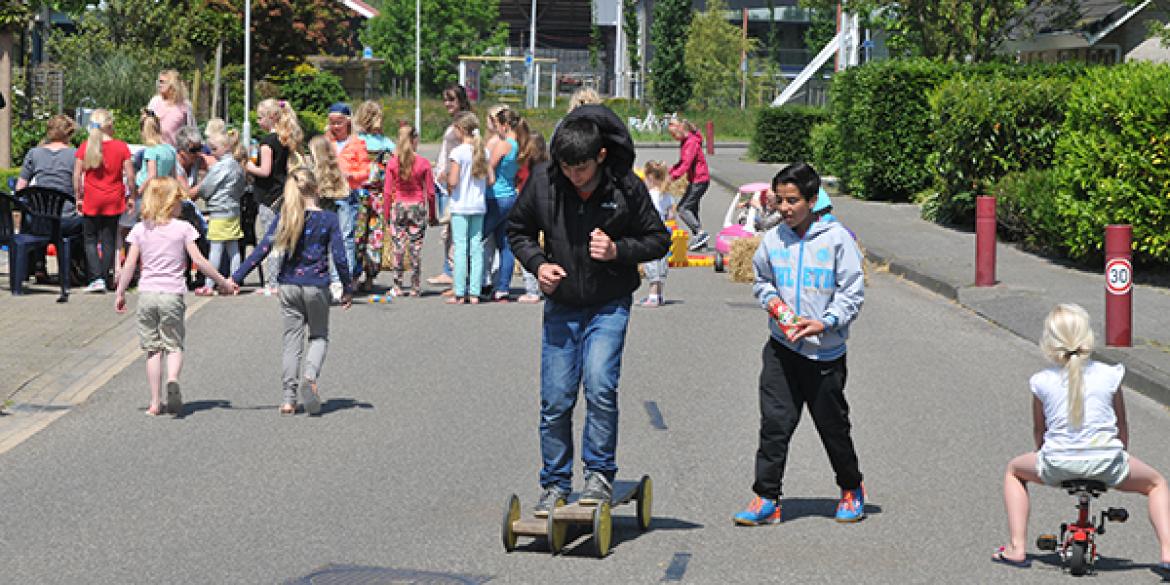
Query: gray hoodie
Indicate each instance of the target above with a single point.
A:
(223, 187)
(826, 263)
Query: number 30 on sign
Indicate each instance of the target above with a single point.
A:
(1119, 276)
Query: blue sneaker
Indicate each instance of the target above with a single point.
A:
(851, 508)
(759, 511)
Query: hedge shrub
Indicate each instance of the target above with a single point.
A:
(782, 134)
(883, 115)
(985, 128)
(1113, 160)
(311, 90)
(1028, 210)
(825, 142)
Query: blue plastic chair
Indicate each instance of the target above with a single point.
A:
(40, 225)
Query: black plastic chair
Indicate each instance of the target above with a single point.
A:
(7, 225)
(40, 225)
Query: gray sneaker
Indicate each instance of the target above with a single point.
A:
(309, 396)
(597, 490)
(699, 241)
(552, 497)
(174, 399)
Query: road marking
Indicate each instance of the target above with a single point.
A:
(23, 420)
(656, 419)
(677, 568)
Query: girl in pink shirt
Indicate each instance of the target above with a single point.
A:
(163, 243)
(411, 188)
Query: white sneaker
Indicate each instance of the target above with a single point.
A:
(96, 286)
(336, 290)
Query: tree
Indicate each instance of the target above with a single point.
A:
(449, 29)
(713, 52)
(953, 29)
(670, 84)
(630, 28)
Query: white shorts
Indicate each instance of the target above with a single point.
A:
(1111, 471)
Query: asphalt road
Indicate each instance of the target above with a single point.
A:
(430, 423)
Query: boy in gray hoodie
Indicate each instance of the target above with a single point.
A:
(813, 266)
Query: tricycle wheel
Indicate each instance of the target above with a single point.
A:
(718, 263)
(1078, 559)
(511, 515)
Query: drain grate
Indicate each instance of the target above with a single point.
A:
(358, 575)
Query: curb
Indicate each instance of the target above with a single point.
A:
(1139, 376)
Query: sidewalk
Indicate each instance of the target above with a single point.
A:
(943, 260)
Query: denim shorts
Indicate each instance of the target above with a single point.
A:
(1111, 470)
(160, 321)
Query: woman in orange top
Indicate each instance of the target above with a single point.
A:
(355, 167)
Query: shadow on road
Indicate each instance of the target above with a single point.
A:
(338, 404)
(328, 406)
(1107, 565)
(797, 508)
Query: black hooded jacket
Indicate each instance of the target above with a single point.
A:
(620, 206)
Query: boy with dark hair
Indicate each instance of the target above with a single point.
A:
(598, 223)
(811, 267)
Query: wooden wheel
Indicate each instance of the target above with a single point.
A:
(602, 530)
(556, 531)
(511, 515)
(645, 499)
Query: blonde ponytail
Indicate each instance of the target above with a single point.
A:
(99, 120)
(404, 150)
(468, 124)
(1068, 342)
(300, 184)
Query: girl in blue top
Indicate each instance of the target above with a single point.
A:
(505, 160)
(305, 236)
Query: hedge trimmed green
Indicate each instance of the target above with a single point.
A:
(825, 141)
(1113, 160)
(985, 128)
(883, 116)
(1027, 210)
(782, 134)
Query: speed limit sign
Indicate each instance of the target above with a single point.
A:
(1119, 276)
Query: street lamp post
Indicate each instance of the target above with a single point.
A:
(534, 99)
(247, 124)
(417, 65)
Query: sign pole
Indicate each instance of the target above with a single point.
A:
(1119, 285)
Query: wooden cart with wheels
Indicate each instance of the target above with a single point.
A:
(554, 528)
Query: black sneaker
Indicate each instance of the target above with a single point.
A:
(597, 490)
(552, 497)
(699, 241)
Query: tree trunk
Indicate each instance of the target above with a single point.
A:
(6, 43)
(215, 84)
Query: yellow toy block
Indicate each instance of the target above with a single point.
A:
(678, 249)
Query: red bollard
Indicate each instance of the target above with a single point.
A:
(985, 241)
(710, 137)
(1119, 285)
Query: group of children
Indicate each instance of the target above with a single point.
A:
(808, 277)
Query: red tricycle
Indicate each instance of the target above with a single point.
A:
(1077, 544)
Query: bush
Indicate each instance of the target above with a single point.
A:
(311, 124)
(7, 174)
(782, 134)
(825, 143)
(985, 128)
(1028, 210)
(311, 90)
(883, 116)
(1113, 160)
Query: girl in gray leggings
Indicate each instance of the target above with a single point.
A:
(305, 236)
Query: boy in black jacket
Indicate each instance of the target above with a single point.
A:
(598, 223)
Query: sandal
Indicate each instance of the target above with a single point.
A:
(455, 300)
(288, 409)
(528, 299)
(1000, 558)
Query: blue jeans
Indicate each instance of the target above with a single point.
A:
(347, 212)
(495, 226)
(442, 200)
(580, 346)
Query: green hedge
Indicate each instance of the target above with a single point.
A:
(1027, 210)
(883, 115)
(782, 134)
(825, 142)
(986, 127)
(1113, 160)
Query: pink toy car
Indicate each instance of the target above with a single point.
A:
(739, 221)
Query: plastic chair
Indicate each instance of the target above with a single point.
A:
(40, 209)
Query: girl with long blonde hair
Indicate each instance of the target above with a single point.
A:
(410, 201)
(308, 241)
(164, 243)
(103, 183)
(467, 178)
(370, 228)
(270, 169)
(1081, 432)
